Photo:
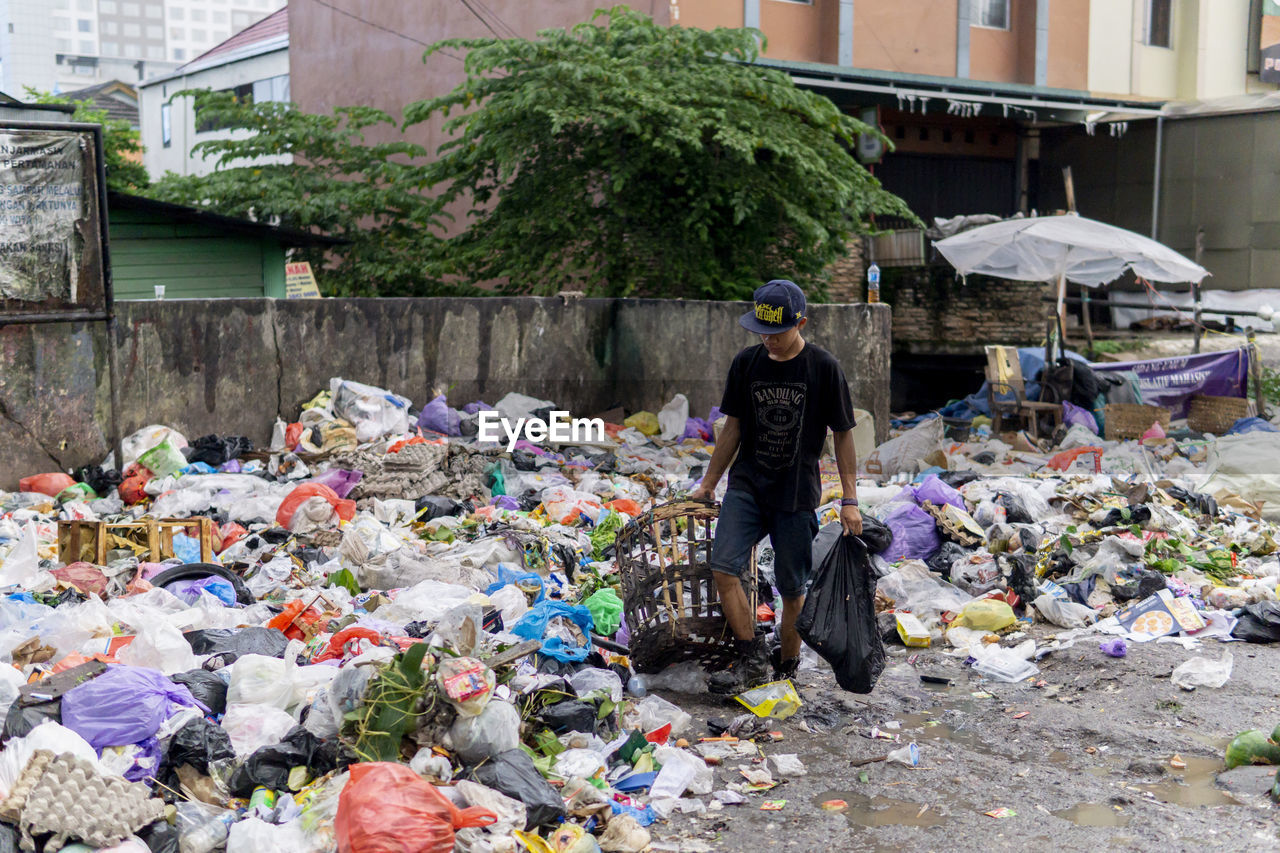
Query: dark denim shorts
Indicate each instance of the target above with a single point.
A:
(743, 523)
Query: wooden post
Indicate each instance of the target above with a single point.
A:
(1195, 288)
(1255, 372)
(1062, 307)
(1084, 315)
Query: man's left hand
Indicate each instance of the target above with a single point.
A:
(851, 520)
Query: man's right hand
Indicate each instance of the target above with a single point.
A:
(703, 493)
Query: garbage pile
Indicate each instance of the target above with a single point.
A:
(378, 633)
(1171, 538)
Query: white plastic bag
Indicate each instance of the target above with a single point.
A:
(48, 735)
(251, 727)
(654, 712)
(702, 781)
(253, 835)
(261, 680)
(903, 454)
(23, 561)
(495, 729)
(673, 417)
(159, 645)
(1064, 614)
(510, 811)
(1249, 466)
(375, 412)
(1203, 672)
(589, 679)
(578, 762)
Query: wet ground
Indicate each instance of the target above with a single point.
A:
(1105, 754)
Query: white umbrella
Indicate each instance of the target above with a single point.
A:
(1051, 248)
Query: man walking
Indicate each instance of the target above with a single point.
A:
(780, 398)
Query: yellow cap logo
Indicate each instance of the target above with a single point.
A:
(768, 313)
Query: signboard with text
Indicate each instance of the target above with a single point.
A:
(51, 228)
(299, 282)
(1269, 46)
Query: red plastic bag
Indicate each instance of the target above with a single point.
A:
(292, 435)
(228, 535)
(86, 577)
(45, 484)
(288, 620)
(387, 808)
(284, 516)
(131, 490)
(339, 640)
(626, 506)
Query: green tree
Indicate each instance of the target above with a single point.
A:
(626, 158)
(317, 173)
(121, 144)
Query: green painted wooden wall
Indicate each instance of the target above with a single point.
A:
(192, 261)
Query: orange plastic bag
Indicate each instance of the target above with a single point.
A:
(387, 808)
(626, 506)
(45, 484)
(292, 435)
(340, 639)
(228, 535)
(346, 509)
(285, 621)
(1062, 461)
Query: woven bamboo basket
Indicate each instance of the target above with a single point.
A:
(1217, 414)
(1131, 420)
(668, 592)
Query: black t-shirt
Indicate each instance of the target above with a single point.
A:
(784, 408)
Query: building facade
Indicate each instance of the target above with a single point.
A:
(58, 45)
(254, 64)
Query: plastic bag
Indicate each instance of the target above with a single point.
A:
(374, 412)
(387, 808)
(606, 610)
(199, 743)
(905, 452)
(344, 509)
(1259, 623)
(986, 614)
(654, 712)
(437, 416)
(547, 620)
(254, 640)
(252, 727)
(838, 620)
(253, 835)
(646, 422)
(46, 484)
(124, 705)
(915, 534)
(513, 773)
(495, 729)
(138, 443)
(270, 766)
(1202, 672)
(1064, 614)
(261, 680)
(938, 493)
(590, 679)
(340, 480)
(777, 699)
(163, 460)
(206, 687)
(1007, 665)
(672, 418)
(159, 645)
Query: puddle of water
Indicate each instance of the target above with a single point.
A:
(929, 727)
(1093, 814)
(1193, 786)
(1058, 757)
(882, 811)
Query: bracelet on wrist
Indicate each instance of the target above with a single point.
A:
(847, 502)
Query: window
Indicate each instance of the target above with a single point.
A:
(177, 13)
(155, 51)
(84, 5)
(271, 89)
(166, 125)
(63, 45)
(243, 95)
(155, 11)
(177, 33)
(87, 47)
(110, 28)
(106, 7)
(992, 14)
(179, 53)
(1159, 23)
(84, 25)
(155, 31)
(60, 4)
(133, 51)
(220, 36)
(197, 15)
(110, 48)
(240, 20)
(61, 24)
(130, 10)
(198, 36)
(133, 30)
(219, 17)
(83, 70)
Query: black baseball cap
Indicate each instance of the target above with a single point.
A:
(779, 306)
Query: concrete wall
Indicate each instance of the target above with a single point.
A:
(231, 366)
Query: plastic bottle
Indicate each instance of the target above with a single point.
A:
(638, 687)
(208, 836)
(873, 283)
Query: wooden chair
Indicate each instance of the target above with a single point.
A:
(1004, 376)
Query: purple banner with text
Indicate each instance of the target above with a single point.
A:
(1172, 382)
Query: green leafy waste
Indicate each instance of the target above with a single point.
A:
(391, 707)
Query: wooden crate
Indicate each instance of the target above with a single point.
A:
(668, 592)
(90, 540)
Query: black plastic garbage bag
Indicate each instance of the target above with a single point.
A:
(839, 620)
(270, 765)
(1015, 510)
(512, 773)
(1259, 623)
(97, 479)
(254, 640)
(570, 716)
(438, 505)
(1148, 583)
(207, 688)
(199, 743)
(956, 479)
(160, 837)
(214, 450)
(22, 718)
(947, 554)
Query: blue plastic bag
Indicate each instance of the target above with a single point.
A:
(533, 626)
(189, 590)
(186, 548)
(508, 575)
(124, 705)
(1251, 425)
(915, 534)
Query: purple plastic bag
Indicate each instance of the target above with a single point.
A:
(1116, 648)
(124, 705)
(697, 428)
(504, 502)
(1073, 414)
(438, 417)
(915, 534)
(938, 493)
(145, 763)
(340, 480)
(219, 588)
(472, 408)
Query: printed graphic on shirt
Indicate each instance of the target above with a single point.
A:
(779, 410)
